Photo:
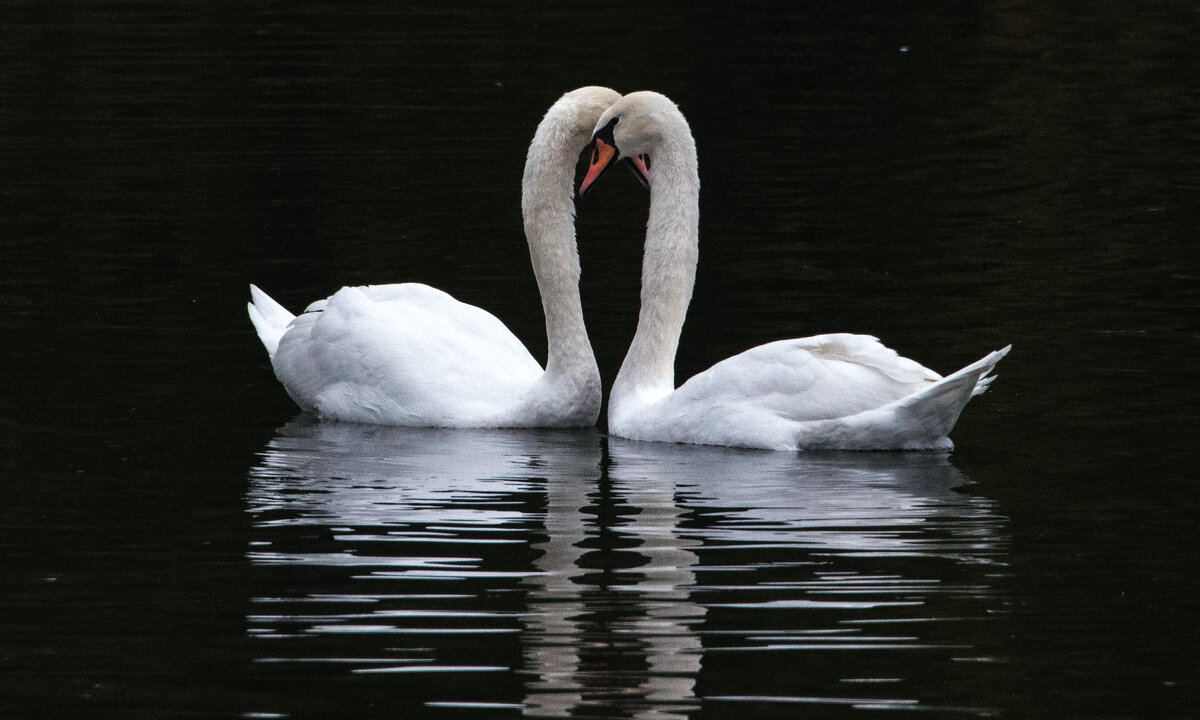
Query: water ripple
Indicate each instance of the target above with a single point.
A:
(592, 572)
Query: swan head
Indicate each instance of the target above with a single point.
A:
(582, 106)
(568, 124)
(631, 129)
(553, 155)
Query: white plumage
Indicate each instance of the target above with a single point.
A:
(838, 391)
(410, 354)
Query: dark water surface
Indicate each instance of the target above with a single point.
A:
(177, 541)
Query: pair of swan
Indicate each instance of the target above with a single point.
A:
(411, 355)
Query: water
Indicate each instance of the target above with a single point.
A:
(620, 577)
(177, 541)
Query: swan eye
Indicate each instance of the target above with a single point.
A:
(605, 134)
(645, 160)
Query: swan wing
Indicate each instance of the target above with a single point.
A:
(760, 397)
(815, 378)
(829, 391)
(868, 352)
(919, 421)
(405, 354)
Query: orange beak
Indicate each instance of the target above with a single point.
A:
(602, 156)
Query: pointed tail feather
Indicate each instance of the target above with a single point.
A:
(990, 361)
(934, 411)
(270, 319)
(920, 421)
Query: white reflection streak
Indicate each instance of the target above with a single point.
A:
(667, 627)
(553, 636)
(352, 480)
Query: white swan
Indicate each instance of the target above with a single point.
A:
(829, 391)
(409, 354)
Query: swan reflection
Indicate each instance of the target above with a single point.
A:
(561, 572)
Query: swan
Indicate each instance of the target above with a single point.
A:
(837, 391)
(409, 354)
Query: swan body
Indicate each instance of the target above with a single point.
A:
(838, 391)
(409, 354)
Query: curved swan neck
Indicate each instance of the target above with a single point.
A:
(549, 214)
(668, 267)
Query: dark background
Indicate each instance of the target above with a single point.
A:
(951, 177)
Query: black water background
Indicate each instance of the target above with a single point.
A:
(949, 177)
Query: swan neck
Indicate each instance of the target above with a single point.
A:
(548, 209)
(668, 273)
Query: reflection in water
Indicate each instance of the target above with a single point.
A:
(560, 573)
(610, 622)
